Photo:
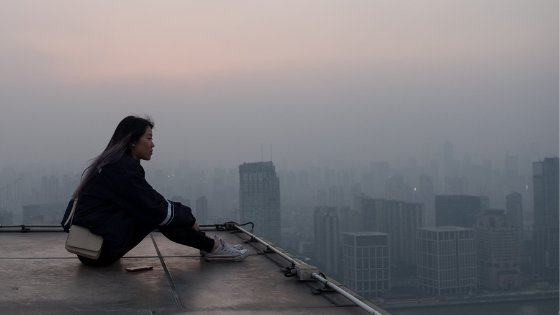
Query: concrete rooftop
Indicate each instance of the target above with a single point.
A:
(38, 276)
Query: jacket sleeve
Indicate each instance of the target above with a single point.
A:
(178, 214)
(135, 196)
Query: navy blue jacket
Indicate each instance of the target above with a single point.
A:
(119, 198)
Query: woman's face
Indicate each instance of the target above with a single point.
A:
(144, 147)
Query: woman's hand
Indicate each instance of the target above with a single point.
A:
(196, 227)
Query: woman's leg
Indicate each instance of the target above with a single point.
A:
(188, 236)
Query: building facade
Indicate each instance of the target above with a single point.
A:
(459, 210)
(446, 260)
(259, 198)
(397, 218)
(366, 263)
(425, 195)
(514, 209)
(545, 201)
(498, 251)
(327, 244)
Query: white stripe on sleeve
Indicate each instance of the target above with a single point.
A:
(169, 216)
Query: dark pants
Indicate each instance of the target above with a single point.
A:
(186, 236)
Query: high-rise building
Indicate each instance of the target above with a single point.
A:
(459, 210)
(50, 188)
(6, 217)
(327, 244)
(511, 173)
(497, 247)
(374, 179)
(259, 198)
(366, 263)
(336, 196)
(514, 209)
(426, 195)
(201, 210)
(397, 189)
(350, 220)
(45, 213)
(545, 199)
(446, 260)
(398, 219)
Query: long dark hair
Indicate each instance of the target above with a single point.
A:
(128, 131)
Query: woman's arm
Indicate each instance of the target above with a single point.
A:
(134, 195)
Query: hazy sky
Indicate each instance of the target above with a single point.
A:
(344, 81)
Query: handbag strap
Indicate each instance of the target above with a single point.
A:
(71, 216)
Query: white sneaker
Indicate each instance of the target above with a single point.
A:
(226, 251)
(236, 246)
(217, 239)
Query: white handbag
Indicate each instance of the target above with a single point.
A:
(80, 240)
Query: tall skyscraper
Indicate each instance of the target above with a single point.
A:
(511, 172)
(459, 210)
(366, 263)
(498, 255)
(446, 260)
(398, 219)
(350, 220)
(259, 198)
(545, 199)
(327, 244)
(426, 196)
(374, 179)
(514, 209)
(397, 189)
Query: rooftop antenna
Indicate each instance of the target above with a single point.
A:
(271, 151)
(262, 153)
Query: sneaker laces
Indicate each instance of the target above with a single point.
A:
(230, 248)
(234, 246)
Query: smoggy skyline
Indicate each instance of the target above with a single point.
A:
(338, 81)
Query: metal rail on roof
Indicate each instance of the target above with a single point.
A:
(346, 294)
(268, 246)
(315, 275)
(22, 228)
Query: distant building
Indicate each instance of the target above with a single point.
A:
(327, 244)
(545, 199)
(397, 218)
(45, 213)
(259, 198)
(366, 263)
(446, 260)
(455, 185)
(374, 179)
(425, 195)
(498, 248)
(513, 180)
(397, 189)
(336, 197)
(514, 209)
(201, 210)
(459, 210)
(6, 217)
(350, 220)
(50, 189)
